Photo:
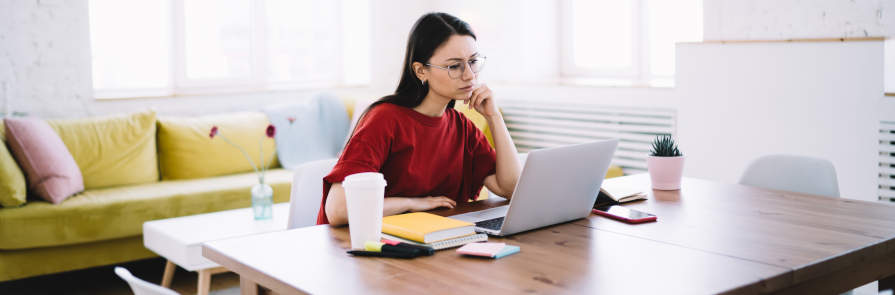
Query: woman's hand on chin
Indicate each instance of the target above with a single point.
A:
(429, 203)
(481, 99)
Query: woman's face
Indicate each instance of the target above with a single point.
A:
(450, 75)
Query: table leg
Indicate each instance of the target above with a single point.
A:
(247, 287)
(204, 281)
(887, 284)
(169, 274)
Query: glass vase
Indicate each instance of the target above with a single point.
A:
(262, 201)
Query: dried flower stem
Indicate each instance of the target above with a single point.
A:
(261, 160)
(244, 153)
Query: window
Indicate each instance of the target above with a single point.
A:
(174, 47)
(626, 42)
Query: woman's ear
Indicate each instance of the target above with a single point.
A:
(420, 71)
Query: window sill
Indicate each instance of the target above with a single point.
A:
(585, 83)
(164, 94)
(616, 83)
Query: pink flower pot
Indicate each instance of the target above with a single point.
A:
(665, 172)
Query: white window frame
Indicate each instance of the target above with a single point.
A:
(180, 85)
(638, 75)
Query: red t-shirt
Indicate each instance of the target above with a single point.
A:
(418, 155)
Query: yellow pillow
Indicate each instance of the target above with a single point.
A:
(13, 189)
(476, 119)
(186, 150)
(614, 171)
(349, 106)
(112, 150)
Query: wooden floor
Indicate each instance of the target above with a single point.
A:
(103, 281)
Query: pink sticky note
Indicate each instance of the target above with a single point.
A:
(482, 249)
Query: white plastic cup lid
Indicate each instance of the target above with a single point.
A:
(364, 179)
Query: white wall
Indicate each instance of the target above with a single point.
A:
(786, 19)
(392, 20)
(889, 74)
(743, 100)
(45, 57)
(846, 107)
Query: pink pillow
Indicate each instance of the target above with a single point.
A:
(50, 169)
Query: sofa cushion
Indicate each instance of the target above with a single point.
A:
(308, 130)
(112, 150)
(12, 181)
(51, 172)
(186, 151)
(118, 212)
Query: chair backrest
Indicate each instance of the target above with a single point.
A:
(307, 190)
(141, 287)
(792, 173)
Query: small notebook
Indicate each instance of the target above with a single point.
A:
(443, 244)
(614, 195)
(425, 227)
(491, 250)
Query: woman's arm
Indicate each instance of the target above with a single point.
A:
(503, 182)
(337, 210)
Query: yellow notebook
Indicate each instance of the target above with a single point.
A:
(425, 227)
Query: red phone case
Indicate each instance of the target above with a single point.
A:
(623, 219)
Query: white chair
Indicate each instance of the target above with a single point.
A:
(141, 287)
(792, 173)
(800, 174)
(307, 191)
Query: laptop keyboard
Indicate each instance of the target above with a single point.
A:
(493, 224)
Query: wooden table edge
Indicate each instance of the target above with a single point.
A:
(764, 285)
(859, 261)
(854, 274)
(791, 278)
(246, 272)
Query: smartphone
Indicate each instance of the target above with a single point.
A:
(624, 214)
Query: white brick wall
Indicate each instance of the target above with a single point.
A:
(784, 19)
(45, 56)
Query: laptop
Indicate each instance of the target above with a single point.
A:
(556, 185)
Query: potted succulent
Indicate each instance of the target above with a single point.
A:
(665, 164)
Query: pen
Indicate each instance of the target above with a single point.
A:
(385, 248)
(381, 254)
(427, 251)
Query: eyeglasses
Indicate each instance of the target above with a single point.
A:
(456, 70)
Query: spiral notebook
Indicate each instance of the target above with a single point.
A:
(443, 244)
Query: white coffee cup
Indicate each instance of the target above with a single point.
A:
(364, 196)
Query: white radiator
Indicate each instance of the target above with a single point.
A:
(887, 160)
(536, 124)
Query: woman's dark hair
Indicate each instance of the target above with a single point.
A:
(429, 32)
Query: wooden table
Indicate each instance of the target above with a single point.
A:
(710, 238)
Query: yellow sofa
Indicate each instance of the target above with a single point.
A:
(103, 224)
(185, 172)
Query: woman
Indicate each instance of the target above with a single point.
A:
(430, 155)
